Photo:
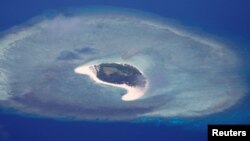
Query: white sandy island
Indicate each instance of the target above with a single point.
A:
(133, 93)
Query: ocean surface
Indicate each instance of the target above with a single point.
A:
(226, 19)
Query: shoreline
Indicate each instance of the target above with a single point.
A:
(133, 93)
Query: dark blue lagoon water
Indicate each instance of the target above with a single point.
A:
(226, 20)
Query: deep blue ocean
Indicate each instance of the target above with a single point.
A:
(229, 19)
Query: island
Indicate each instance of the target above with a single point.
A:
(118, 75)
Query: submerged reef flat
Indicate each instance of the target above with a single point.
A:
(116, 64)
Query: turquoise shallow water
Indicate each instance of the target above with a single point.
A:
(213, 17)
